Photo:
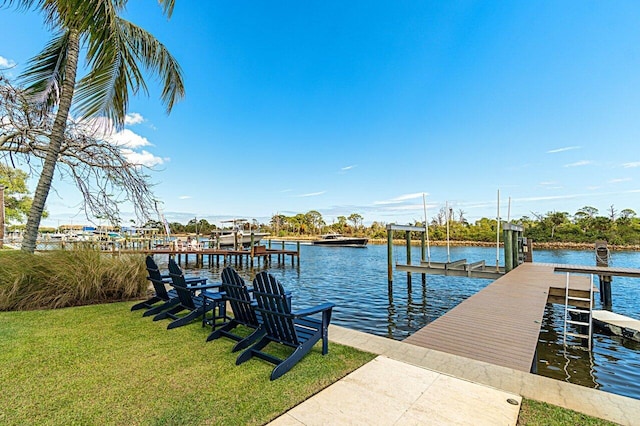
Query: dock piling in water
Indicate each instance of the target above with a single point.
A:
(602, 259)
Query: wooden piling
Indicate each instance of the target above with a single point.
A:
(602, 259)
(252, 250)
(516, 246)
(508, 259)
(423, 251)
(389, 255)
(407, 236)
(512, 241)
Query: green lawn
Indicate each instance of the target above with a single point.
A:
(103, 364)
(534, 413)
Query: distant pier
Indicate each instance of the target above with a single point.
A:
(257, 254)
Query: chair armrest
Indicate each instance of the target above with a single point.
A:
(194, 279)
(218, 295)
(165, 276)
(313, 310)
(204, 286)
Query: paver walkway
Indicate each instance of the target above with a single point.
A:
(389, 392)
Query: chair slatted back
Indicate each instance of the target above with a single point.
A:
(156, 278)
(177, 277)
(237, 294)
(274, 306)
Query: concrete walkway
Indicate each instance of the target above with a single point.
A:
(389, 392)
(408, 384)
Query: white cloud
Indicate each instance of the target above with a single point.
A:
(630, 165)
(619, 180)
(401, 198)
(579, 163)
(554, 197)
(133, 118)
(566, 148)
(128, 141)
(127, 138)
(407, 207)
(344, 169)
(143, 158)
(6, 63)
(383, 203)
(312, 194)
(547, 183)
(184, 197)
(409, 196)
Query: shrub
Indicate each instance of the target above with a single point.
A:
(62, 278)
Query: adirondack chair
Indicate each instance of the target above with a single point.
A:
(197, 305)
(168, 298)
(237, 295)
(298, 330)
(159, 281)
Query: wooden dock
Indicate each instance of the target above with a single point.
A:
(501, 323)
(228, 256)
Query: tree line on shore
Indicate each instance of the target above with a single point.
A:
(586, 225)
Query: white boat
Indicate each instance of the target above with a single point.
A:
(338, 240)
(244, 238)
(237, 235)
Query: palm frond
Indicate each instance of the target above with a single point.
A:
(44, 74)
(167, 7)
(115, 61)
(156, 58)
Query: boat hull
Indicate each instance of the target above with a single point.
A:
(342, 242)
(229, 240)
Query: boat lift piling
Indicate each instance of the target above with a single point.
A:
(516, 251)
(513, 245)
(602, 259)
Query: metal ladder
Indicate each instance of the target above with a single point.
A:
(571, 301)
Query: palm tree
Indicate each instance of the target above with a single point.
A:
(116, 52)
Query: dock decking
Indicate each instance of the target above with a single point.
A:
(501, 323)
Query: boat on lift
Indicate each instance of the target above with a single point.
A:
(237, 235)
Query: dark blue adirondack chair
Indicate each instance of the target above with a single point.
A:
(299, 330)
(168, 298)
(197, 305)
(238, 295)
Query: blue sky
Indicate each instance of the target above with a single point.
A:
(362, 106)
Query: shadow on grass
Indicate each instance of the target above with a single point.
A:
(103, 364)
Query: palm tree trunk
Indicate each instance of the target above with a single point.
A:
(55, 143)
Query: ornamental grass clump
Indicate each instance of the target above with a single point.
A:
(63, 278)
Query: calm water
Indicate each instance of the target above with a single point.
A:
(356, 281)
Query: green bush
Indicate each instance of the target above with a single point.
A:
(58, 279)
